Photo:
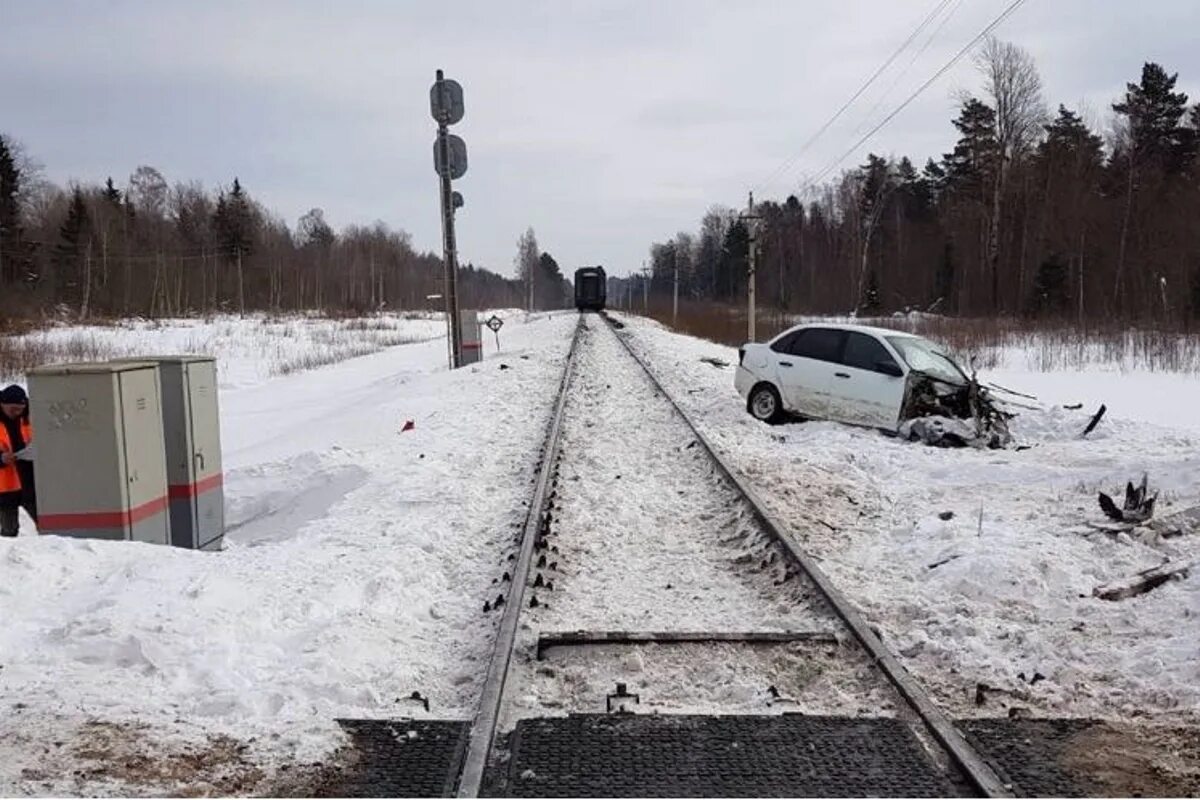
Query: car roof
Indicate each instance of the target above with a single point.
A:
(846, 326)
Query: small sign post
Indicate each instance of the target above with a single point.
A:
(495, 323)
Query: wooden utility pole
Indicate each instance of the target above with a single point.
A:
(752, 263)
(675, 299)
(241, 284)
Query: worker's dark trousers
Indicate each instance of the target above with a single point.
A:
(10, 520)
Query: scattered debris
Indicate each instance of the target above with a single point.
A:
(946, 560)
(1143, 581)
(417, 697)
(716, 362)
(1138, 507)
(937, 431)
(1091, 426)
(777, 699)
(982, 690)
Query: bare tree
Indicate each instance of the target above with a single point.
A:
(148, 189)
(1012, 82)
(527, 262)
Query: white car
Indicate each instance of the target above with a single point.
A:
(849, 373)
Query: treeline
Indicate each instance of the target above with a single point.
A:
(152, 249)
(545, 285)
(1030, 214)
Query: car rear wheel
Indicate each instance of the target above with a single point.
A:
(764, 404)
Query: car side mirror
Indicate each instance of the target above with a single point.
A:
(889, 368)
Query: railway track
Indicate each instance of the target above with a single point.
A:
(755, 610)
(648, 578)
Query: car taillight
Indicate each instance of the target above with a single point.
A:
(741, 355)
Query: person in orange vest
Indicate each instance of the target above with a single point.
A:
(16, 460)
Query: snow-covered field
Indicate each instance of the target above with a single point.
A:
(1001, 592)
(250, 349)
(358, 559)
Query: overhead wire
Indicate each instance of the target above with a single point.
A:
(1012, 7)
(787, 164)
(907, 67)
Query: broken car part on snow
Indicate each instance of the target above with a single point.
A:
(1138, 506)
(942, 413)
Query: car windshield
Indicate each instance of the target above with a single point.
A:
(924, 356)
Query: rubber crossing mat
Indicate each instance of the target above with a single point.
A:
(1089, 758)
(599, 755)
(399, 758)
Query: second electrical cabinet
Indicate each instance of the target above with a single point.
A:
(192, 435)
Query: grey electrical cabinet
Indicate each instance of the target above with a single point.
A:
(192, 435)
(471, 330)
(100, 465)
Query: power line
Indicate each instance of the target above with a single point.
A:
(945, 68)
(888, 91)
(786, 165)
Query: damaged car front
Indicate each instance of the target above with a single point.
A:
(943, 406)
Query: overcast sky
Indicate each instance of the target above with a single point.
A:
(604, 125)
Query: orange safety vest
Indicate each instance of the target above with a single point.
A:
(10, 479)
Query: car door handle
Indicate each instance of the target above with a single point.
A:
(785, 363)
(841, 375)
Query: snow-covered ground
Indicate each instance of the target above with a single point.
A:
(1001, 592)
(360, 554)
(249, 350)
(358, 560)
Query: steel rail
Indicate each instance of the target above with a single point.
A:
(487, 718)
(974, 766)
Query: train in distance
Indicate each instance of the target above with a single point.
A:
(591, 288)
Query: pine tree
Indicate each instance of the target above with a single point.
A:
(1068, 139)
(1050, 292)
(733, 261)
(236, 231)
(969, 168)
(934, 177)
(1154, 112)
(551, 292)
(111, 193)
(73, 250)
(15, 254)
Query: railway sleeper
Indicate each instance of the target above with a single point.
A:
(553, 639)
